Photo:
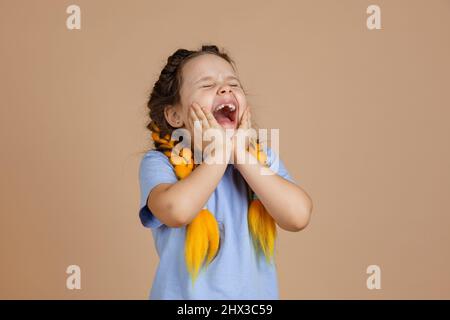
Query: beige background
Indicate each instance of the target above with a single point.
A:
(364, 118)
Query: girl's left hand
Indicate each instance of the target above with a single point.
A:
(242, 132)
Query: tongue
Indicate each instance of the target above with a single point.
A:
(222, 118)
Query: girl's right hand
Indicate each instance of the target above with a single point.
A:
(222, 143)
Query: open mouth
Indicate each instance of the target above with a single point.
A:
(226, 114)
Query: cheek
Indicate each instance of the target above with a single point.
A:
(204, 99)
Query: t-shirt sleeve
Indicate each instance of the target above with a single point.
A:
(155, 169)
(277, 165)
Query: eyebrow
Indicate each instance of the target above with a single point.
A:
(212, 78)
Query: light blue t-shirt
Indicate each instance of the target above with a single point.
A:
(236, 272)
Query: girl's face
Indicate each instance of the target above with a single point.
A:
(211, 81)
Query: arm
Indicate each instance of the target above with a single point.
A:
(179, 203)
(286, 202)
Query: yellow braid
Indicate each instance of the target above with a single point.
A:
(261, 224)
(202, 233)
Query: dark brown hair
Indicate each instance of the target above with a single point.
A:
(166, 90)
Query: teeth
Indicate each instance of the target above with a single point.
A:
(231, 106)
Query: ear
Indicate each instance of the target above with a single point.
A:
(173, 116)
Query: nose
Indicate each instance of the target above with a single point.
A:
(224, 89)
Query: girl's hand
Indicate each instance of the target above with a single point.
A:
(243, 132)
(222, 143)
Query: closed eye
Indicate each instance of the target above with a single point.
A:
(210, 85)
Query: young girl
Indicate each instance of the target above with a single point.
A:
(214, 224)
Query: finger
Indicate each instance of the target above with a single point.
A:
(244, 120)
(248, 125)
(197, 127)
(201, 115)
(203, 122)
(193, 117)
(211, 120)
(249, 117)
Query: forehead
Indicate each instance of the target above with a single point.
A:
(206, 65)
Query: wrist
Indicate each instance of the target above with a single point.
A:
(221, 153)
(241, 158)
